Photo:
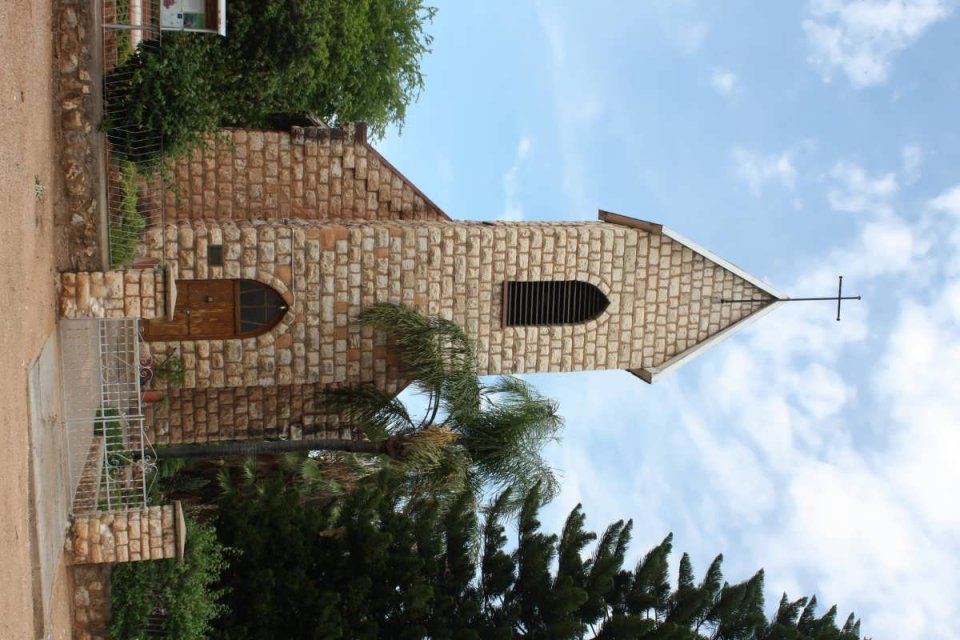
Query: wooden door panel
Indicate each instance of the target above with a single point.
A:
(206, 292)
(212, 304)
(161, 329)
(205, 309)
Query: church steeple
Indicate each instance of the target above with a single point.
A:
(699, 286)
(289, 236)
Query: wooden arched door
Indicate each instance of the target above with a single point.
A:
(217, 309)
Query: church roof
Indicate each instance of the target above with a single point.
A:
(770, 296)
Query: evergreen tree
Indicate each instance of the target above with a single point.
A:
(381, 564)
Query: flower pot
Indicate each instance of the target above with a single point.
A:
(151, 396)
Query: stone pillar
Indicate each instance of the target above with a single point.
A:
(131, 293)
(150, 533)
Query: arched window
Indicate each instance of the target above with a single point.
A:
(259, 308)
(551, 302)
(217, 309)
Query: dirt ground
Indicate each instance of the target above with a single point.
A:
(29, 195)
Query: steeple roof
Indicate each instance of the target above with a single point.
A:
(690, 288)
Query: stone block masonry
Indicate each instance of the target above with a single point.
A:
(151, 533)
(664, 296)
(112, 294)
(314, 173)
(242, 413)
(73, 40)
(91, 601)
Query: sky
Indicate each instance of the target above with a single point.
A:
(801, 141)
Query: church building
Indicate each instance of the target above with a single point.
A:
(273, 241)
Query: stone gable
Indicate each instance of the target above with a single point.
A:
(313, 173)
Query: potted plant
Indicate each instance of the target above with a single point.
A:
(170, 371)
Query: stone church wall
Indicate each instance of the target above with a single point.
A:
(663, 296)
(314, 173)
(242, 413)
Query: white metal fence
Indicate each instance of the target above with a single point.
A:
(110, 457)
(131, 37)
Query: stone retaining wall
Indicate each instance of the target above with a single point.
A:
(73, 38)
(91, 601)
(126, 536)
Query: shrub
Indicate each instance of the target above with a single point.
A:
(164, 93)
(339, 60)
(125, 232)
(183, 591)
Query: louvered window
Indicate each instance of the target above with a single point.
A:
(556, 302)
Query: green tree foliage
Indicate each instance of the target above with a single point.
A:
(380, 564)
(165, 93)
(341, 60)
(182, 593)
(336, 60)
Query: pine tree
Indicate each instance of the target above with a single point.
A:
(380, 563)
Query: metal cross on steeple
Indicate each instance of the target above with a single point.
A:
(839, 298)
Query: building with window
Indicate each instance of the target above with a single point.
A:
(274, 241)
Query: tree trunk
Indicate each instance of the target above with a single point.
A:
(254, 448)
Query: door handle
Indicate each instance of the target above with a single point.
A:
(210, 298)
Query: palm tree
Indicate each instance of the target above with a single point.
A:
(474, 434)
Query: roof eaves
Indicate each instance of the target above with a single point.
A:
(709, 255)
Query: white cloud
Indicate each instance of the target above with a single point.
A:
(864, 475)
(512, 209)
(757, 170)
(857, 192)
(948, 202)
(724, 81)
(860, 38)
(912, 161)
(885, 244)
(681, 23)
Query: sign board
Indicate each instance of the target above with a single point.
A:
(201, 16)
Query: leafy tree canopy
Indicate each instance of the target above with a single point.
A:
(332, 60)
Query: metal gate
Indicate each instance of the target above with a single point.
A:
(111, 461)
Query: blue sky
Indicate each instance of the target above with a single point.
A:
(799, 140)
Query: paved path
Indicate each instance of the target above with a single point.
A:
(29, 195)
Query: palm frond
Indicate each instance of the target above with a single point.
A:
(492, 435)
(434, 349)
(506, 439)
(376, 413)
(439, 472)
